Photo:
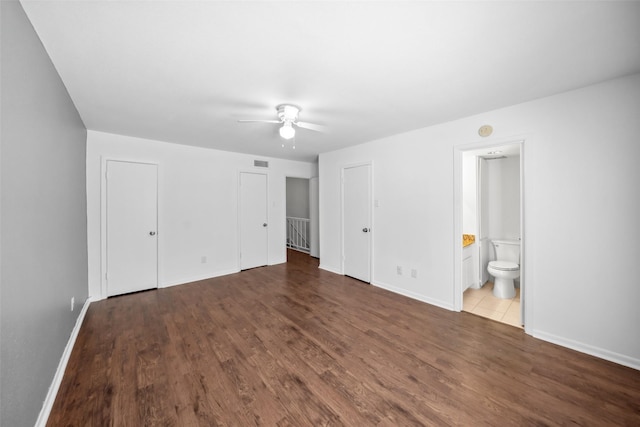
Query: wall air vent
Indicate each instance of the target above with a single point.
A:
(493, 158)
(261, 163)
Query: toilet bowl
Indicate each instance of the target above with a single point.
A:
(506, 268)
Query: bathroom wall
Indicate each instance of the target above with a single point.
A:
(501, 198)
(469, 194)
(471, 253)
(499, 204)
(580, 166)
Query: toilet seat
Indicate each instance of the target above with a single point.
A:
(504, 265)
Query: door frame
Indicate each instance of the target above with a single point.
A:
(526, 293)
(371, 216)
(314, 217)
(314, 220)
(239, 212)
(103, 217)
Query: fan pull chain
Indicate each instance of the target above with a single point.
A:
(293, 143)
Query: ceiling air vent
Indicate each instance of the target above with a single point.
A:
(261, 163)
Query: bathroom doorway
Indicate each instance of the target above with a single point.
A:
(489, 198)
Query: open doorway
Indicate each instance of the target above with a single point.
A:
(489, 198)
(302, 214)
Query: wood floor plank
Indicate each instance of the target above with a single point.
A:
(293, 345)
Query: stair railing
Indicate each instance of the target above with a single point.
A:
(298, 234)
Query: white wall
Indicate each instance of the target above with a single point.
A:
(581, 203)
(501, 197)
(314, 217)
(298, 197)
(470, 194)
(500, 206)
(198, 201)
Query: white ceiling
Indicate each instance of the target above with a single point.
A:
(186, 71)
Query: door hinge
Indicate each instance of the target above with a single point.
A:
(106, 276)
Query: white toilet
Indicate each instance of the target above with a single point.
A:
(505, 268)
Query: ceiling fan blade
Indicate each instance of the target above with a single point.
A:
(259, 121)
(311, 126)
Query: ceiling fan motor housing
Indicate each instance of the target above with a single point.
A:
(288, 112)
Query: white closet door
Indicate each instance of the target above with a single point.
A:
(131, 227)
(357, 222)
(253, 220)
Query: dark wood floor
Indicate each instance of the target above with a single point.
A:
(292, 345)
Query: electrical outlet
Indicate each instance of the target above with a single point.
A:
(73, 302)
(414, 273)
(399, 270)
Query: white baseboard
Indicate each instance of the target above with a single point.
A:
(611, 356)
(62, 366)
(329, 269)
(404, 292)
(412, 295)
(198, 278)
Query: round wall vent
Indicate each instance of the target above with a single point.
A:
(485, 130)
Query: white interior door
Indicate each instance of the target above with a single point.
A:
(356, 226)
(131, 227)
(253, 220)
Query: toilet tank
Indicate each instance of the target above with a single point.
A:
(507, 250)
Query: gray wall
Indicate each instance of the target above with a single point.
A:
(298, 197)
(43, 213)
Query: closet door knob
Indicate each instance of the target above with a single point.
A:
(152, 233)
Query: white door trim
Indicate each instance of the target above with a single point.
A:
(103, 218)
(314, 216)
(371, 216)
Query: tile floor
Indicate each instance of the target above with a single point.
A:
(482, 303)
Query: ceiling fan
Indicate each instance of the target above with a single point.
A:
(288, 117)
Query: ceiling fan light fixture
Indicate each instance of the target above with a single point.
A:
(287, 131)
